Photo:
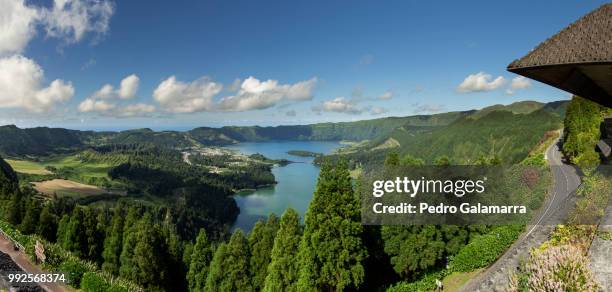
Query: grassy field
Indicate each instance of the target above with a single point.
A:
(87, 169)
(67, 188)
(29, 167)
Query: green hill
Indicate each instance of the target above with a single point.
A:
(508, 132)
(8, 179)
(44, 141)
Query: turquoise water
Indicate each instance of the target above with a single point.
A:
(296, 181)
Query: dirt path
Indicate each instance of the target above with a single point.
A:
(6, 246)
(556, 208)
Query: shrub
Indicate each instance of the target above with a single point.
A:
(560, 268)
(92, 282)
(485, 249)
(73, 271)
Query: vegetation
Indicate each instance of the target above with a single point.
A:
(303, 153)
(331, 252)
(582, 131)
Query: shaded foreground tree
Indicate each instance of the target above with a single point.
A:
(261, 242)
(201, 258)
(229, 270)
(284, 267)
(331, 251)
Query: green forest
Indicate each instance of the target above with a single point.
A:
(171, 230)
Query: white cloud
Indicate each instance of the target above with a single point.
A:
(134, 110)
(386, 95)
(72, 19)
(480, 82)
(520, 82)
(21, 86)
(255, 94)
(17, 26)
(127, 89)
(69, 20)
(339, 104)
(91, 105)
(291, 113)
(180, 97)
(110, 109)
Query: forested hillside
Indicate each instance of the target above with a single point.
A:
(499, 134)
(43, 141)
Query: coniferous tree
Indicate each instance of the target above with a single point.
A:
(31, 217)
(15, 209)
(261, 241)
(229, 270)
(201, 259)
(74, 232)
(149, 255)
(215, 277)
(284, 267)
(331, 251)
(93, 239)
(62, 228)
(113, 243)
(47, 225)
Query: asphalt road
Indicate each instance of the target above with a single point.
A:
(566, 180)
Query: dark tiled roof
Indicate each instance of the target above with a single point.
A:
(588, 40)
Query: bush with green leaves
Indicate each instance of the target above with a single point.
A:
(73, 271)
(485, 249)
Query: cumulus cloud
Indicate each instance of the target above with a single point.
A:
(480, 82)
(21, 86)
(134, 110)
(110, 109)
(518, 83)
(291, 113)
(103, 101)
(255, 94)
(127, 89)
(91, 105)
(339, 104)
(17, 25)
(182, 97)
(71, 20)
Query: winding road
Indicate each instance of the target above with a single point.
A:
(566, 180)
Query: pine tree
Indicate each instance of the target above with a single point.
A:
(215, 271)
(31, 217)
(73, 235)
(150, 253)
(47, 225)
(62, 228)
(261, 241)
(331, 252)
(15, 209)
(229, 270)
(284, 267)
(93, 238)
(201, 258)
(113, 243)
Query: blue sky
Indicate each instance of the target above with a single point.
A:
(207, 63)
